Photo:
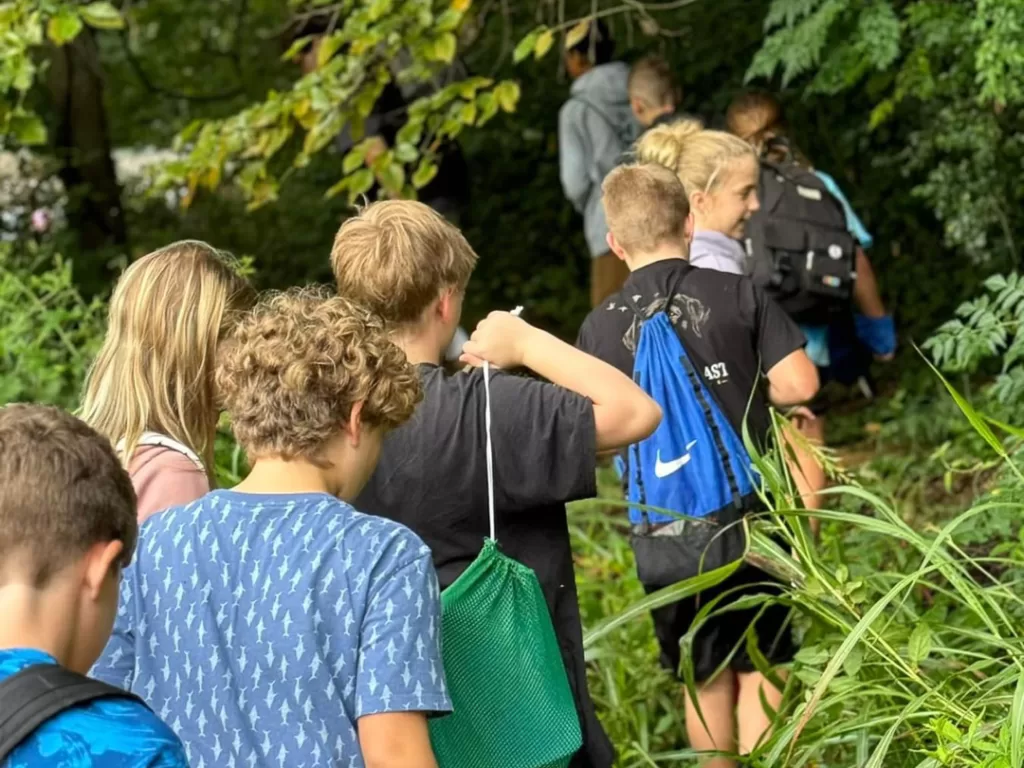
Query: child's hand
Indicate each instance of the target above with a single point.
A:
(500, 339)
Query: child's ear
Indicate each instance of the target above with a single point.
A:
(698, 202)
(613, 244)
(355, 424)
(689, 227)
(102, 559)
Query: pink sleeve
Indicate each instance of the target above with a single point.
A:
(165, 478)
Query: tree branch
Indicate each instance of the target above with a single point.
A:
(144, 78)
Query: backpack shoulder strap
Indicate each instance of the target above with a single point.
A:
(33, 695)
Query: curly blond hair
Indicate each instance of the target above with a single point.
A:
(296, 365)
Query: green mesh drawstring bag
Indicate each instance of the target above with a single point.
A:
(513, 707)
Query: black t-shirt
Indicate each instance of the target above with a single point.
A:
(432, 477)
(731, 329)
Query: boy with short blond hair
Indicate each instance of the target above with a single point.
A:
(740, 347)
(273, 624)
(432, 475)
(67, 528)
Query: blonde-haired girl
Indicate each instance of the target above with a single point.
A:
(150, 390)
(719, 172)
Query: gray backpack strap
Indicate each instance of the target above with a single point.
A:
(39, 692)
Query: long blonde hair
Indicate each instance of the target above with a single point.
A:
(697, 156)
(155, 370)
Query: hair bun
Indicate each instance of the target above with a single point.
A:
(684, 130)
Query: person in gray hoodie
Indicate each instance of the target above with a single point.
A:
(595, 127)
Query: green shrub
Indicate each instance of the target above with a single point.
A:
(48, 332)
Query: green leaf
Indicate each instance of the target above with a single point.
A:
(392, 177)
(854, 661)
(102, 15)
(449, 20)
(28, 130)
(444, 48)
(467, 113)
(920, 644)
(424, 174)
(996, 283)
(64, 27)
(328, 47)
(526, 45)
(507, 95)
(544, 42)
(379, 9)
(406, 153)
(360, 182)
(24, 75)
(411, 132)
(488, 107)
(296, 47)
(354, 158)
(812, 655)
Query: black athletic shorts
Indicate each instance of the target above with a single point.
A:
(721, 633)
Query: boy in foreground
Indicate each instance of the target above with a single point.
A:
(67, 528)
(733, 334)
(408, 264)
(273, 624)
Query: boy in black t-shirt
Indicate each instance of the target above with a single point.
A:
(411, 266)
(733, 333)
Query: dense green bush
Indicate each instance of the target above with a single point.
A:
(48, 333)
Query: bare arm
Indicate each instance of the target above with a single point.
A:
(865, 291)
(793, 380)
(623, 413)
(396, 740)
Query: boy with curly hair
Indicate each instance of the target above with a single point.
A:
(273, 624)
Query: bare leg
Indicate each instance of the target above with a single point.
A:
(754, 722)
(717, 700)
(808, 474)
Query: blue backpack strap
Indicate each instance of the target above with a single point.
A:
(700, 388)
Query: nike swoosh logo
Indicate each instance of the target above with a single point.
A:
(663, 469)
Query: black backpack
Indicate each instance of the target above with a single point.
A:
(798, 246)
(35, 694)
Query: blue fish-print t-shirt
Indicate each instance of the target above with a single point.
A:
(105, 733)
(262, 627)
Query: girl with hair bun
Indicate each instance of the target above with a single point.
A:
(719, 172)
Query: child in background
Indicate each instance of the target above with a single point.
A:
(720, 173)
(273, 624)
(654, 96)
(411, 266)
(150, 390)
(736, 338)
(595, 126)
(67, 517)
(842, 348)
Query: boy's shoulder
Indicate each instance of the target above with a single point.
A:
(131, 734)
(389, 539)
